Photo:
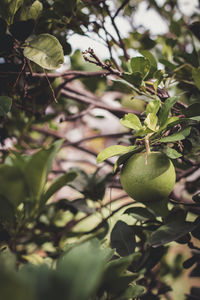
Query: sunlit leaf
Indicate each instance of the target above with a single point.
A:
(172, 153)
(31, 12)
(113, 151)
(131, 121)
(45, 50)
(153, 107)
(151, 121)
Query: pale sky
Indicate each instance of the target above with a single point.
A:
(148, 19)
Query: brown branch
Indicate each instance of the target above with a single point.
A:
(119, 111)
(111, 135)
(56, 74)
(98, 62)
(187, 172)
(120, 8)
(78, 115)
(127, 57)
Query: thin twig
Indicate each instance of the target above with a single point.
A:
(120, 8)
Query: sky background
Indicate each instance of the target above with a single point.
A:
(149, 19)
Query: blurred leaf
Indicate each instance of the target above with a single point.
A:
(5, 105)
(123, 239)
(170, 66)
(140, 213)
(175, 27)
(196, 197)
(113, 151)
(12, 185)
(13, 288)
(8, 9)
(45, 50)
(58, 184)
(37, 169)
(33, 258)
(153, 107)
(165, 109)
(195, 28)
(7, 260)
(192, 110)
(172, 153)
(82, 267)
(131, 121)
(196, 77)
(141, 65)
(118, 267)
(32, 11)
(132, 292)
(159, 76)
(170, 232)
(181, 135)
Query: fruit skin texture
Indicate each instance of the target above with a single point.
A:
(151, 182)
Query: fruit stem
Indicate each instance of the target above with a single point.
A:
(148, 150)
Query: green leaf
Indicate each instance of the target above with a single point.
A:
(82, 269)
(7, 212)
(196, 76)
(192, 110)
(159, 76)
(12, 184)
(147, 54)
(153, 63)
(132, 292)
(122, 159)
(38, 167)
(45, 50)
(119, 266)
(5, 105)
(170, 66)
(172, 153)
(151, 121)
(141, 65)
(8, 9)
(134, 78)
(58, 184)
(31, 12)
(165, 110)
(181, 135)
(113, 151)
(140, 213)
(131, 121)
(119, 285)
(54, 149)
(170, 232)
(153, 107)
(122, 238)
(36, 172)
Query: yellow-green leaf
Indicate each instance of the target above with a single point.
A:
(45, 50)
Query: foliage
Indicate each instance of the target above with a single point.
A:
(60, 238)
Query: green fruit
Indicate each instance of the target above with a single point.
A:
(153, 181)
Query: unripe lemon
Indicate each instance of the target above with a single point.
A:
(153, 181)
